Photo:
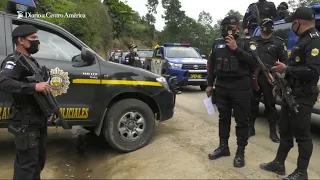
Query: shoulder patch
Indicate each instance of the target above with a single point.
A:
(315, 52)
(314, 34)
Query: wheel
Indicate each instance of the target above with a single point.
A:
(203, 87)
(129, 125)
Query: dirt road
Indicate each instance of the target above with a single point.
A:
(178, 151)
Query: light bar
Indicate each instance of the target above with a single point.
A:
(176, 44)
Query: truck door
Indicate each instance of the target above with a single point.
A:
(157, 61)
(73, 84)
(5, 99)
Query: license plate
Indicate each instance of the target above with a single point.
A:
(195, 76)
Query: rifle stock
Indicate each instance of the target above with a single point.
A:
(254, 80)
(47, 102)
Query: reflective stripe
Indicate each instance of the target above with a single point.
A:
(116, 82)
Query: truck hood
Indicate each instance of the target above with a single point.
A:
(125, 71)
(187, 60)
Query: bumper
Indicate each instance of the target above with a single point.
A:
(166, 103)
(189, 77)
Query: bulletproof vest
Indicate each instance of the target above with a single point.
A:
(21, 100)
(226, 63)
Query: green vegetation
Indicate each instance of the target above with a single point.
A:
(113, 24)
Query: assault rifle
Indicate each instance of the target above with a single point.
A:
(47, 102)
(286, 91)
(255, 14)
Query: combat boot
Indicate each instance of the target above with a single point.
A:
(222, 150)
(251, 131)
(273, 133)
(274, 166)
(297, 175)
(239, 158)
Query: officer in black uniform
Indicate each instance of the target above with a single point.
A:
(302, 73)
(27, 122)
(132, 59)
(282, 11)
(229, 65)
(266, 10)
(270, 49)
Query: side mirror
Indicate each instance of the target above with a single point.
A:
(87, 56)
(203, 56)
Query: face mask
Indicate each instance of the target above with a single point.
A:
(267, 29)
(296, 32)
(34, 46)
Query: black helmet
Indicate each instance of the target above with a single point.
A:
(132, 46)
(230, 20)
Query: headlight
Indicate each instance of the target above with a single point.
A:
(163, 81)
(173, 65)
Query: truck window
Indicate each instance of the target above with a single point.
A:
(54, 47)
(181, 52)
(159, 52)
(282, 31)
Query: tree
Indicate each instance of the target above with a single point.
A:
(121, 14)
(294, 4)
(205, 18)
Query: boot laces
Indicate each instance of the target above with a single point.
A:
(295, 174)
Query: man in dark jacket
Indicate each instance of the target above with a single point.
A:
(230, 63)
(132, 59)
(282, 11)
(265, 9)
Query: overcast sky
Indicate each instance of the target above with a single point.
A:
(217, 8)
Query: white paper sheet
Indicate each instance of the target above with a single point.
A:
(211, 108)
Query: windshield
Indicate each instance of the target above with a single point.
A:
(125, 53)
(181, 52)
(144, 54)
(117, 54)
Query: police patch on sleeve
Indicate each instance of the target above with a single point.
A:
(315, 52)
(253, 47)
(9, 65)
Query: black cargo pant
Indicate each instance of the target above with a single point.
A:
(31, 144)
(30, 162)
(268, 99)
(296, 126)
(238, 101)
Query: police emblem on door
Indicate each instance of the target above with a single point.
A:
(59, 81)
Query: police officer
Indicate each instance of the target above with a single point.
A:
(266, 9)
(27, 121)
(270, 49)
(302, 73)
(282, 11)
(229, 65)
(132, 59)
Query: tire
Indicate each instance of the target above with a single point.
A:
(111, 131)
(203, 87)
